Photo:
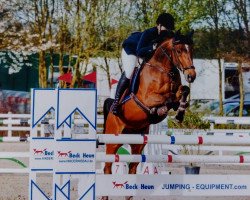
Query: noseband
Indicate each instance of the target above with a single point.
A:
(179, 64)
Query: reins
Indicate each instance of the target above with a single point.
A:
(182, 69)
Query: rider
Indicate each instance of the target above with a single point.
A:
(142, 45)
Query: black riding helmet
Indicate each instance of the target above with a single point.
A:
(166, 20)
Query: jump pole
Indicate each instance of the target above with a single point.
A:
(177, 139)
(173, 158)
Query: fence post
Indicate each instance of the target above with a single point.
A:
(9, 124)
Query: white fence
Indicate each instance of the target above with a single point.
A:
(227, 120)
(21, 123)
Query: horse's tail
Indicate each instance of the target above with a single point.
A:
(106, 108)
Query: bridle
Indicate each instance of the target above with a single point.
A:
(179, 65)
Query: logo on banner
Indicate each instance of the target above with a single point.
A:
(128, 186)
(43, 154)
(63, 154)
(79, 157)
(119, 185)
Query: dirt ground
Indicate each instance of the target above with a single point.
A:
(15, 186)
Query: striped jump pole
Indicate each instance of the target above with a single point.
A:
(178, 139)
(172, 158)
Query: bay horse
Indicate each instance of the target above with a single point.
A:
(159, 91)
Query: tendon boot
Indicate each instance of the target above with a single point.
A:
(121, 87)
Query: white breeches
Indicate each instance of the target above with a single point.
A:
(129, 62)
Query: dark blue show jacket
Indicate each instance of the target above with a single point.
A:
(141, 43)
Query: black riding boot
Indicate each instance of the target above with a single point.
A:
(121, 87)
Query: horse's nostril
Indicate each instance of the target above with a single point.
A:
(190, 78)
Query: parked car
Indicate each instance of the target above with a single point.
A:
(232, 108)
(237, 97)
(213, 105)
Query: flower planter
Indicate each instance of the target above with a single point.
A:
(192, 170)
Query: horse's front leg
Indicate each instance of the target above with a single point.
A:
(110, 149)
(136, 149)
(182, 94)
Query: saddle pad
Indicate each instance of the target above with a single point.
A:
(134, 84)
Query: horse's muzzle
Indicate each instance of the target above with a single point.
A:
(190, 76)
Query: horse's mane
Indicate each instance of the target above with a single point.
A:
(183, 39)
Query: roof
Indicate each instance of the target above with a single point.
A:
(90, 77)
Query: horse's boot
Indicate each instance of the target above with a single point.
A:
(121, 87)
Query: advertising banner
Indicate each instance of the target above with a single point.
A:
(187, 185)
(75, 156)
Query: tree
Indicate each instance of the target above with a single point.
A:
(15, 37)
(112, 34)
(214, 12)
(242, 15)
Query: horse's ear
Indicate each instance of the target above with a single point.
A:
(191, 33)
(189, 37)
(177, 37)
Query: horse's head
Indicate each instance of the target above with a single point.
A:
(178, 51)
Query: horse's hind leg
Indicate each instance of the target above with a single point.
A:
(135, 149)
(184, 92)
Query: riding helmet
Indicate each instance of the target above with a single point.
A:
(166, 20)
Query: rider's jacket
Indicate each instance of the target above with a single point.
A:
(141, 43)
(145, 44)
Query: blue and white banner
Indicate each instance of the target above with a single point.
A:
(75, 156)
(167, 185)
(70, 101)
(64, 157)
(43, 102)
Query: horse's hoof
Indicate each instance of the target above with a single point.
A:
(105, 198)
(129, 198)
